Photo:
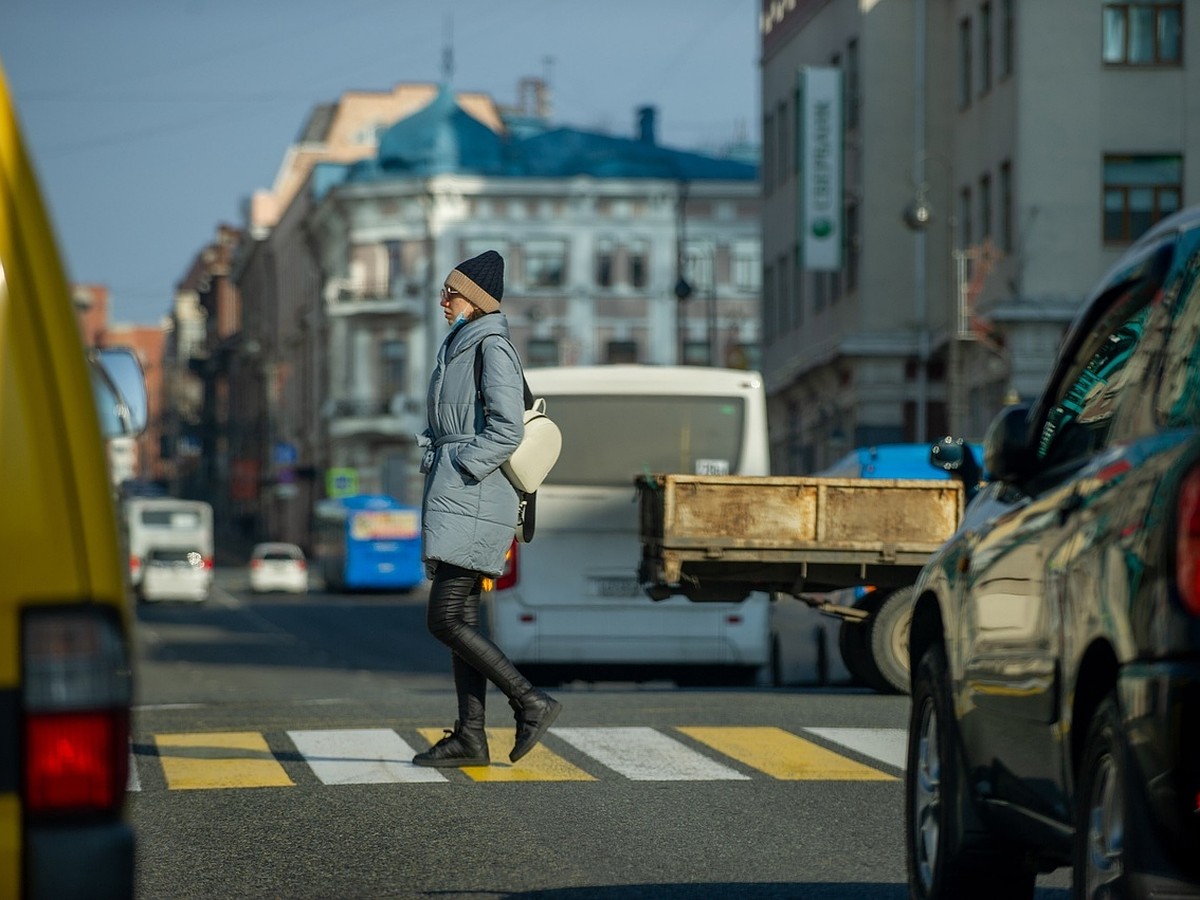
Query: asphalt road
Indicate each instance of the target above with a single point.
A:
(271, 748)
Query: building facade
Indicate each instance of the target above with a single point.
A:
(602, 236)
(997, 156)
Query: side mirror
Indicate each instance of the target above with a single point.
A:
(1006, 451)
(124, 372)
(948, 454)
(953, 455)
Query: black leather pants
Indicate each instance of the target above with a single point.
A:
(453, 619)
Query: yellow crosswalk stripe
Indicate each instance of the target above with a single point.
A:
(540, 764)
(782, 754)
(219, 759)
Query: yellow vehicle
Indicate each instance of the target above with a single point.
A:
(65, 673)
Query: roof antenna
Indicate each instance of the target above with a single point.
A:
(448, 50)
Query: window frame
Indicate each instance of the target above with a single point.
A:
(966, 61)
(986, 67)
(1158, 10)
(1158, 212)
(538, 256)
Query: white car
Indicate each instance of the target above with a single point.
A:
(176, 573)
(278, 567)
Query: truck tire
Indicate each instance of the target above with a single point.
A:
(854, 644)
(888, 640)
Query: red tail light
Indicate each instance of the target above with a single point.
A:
(75, 725)
(1187, 542)
(256, 563)
(208, 562)
(135, 563)
(75, 761)
(301, 565)
(508, 578)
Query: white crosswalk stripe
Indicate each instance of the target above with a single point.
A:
(888, 745)
(361, 756)
(643, 754)
(133, 783)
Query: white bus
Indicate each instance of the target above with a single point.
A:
(165, 522)
(569, 603)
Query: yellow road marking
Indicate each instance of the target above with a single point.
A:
(783, 755)
(539, 764)
(225, 759)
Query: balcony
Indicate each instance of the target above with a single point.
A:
(365, 417)
(397, 298)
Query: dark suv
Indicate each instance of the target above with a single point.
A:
(1055, 640)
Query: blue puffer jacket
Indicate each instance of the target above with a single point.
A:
(469, 511)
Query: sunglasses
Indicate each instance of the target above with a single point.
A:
(449, 293)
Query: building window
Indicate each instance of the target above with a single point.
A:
(786, 319)
(965, 234)
(639, 266)
(985, 207)
(1006, 207)
(1143, 33)
(747, 266)
(604, 263)
(393, 358)
(853, 86)
(696, 353)
(985, 48)
(545, 264)
(965, 61)
(1008, 30)
(770, 331)
(781, 124)
(1138, 191)
(853, 241)
(698, 265)
(797, 287)
(768, 162)
(542, 352)
(621, 352)
(782, 291)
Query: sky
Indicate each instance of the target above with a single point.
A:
(151, 121)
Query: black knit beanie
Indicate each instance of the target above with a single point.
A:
(480, 279)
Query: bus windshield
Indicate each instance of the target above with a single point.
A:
(608, 440)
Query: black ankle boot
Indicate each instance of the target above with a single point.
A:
(535, 711)
(461, 746)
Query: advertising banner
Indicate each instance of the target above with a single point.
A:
(820, 140)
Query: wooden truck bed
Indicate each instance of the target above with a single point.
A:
(717, 537)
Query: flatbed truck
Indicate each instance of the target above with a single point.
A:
(803, 537)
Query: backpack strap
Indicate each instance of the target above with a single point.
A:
(479, 377)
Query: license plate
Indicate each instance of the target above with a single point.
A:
(615, 587)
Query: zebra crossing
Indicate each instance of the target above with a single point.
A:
(245, 759)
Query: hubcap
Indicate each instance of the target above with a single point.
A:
(927, 795)
(899, 639)
(1106, 829)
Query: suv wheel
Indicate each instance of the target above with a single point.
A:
(939, 868)
(1101, 854)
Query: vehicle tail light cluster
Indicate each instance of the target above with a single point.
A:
(75, 724)
(508, 578)
(208, 562)
(256, 563)
(1187, 542)
(302, 565)
(135, 564)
